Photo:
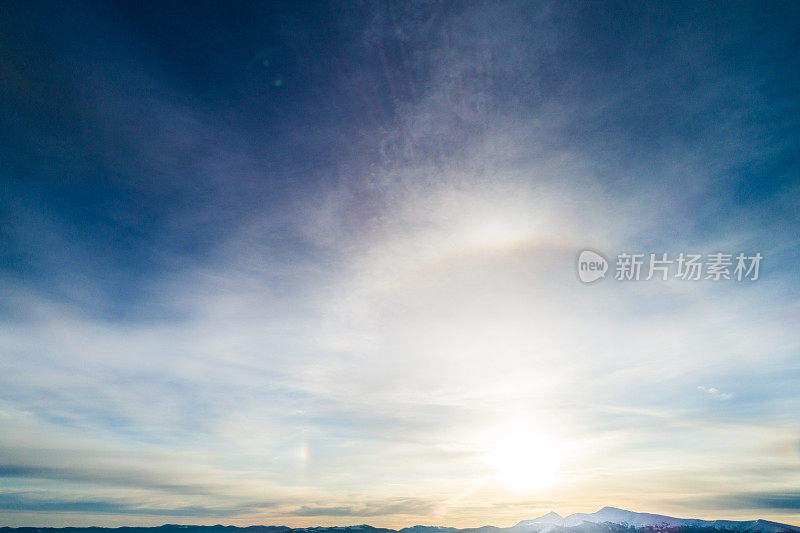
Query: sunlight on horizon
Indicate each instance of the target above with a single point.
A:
(525, 459)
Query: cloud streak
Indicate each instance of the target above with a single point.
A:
(21, 502)
(343, 293)
(400, 506)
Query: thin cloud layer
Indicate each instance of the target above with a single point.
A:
(310, 264)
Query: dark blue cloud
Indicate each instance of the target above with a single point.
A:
(101, 476)
(138, 137)
(787, 500)
(10, 501)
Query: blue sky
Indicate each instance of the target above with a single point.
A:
(314, 263)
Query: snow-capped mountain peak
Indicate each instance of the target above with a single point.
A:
(550, 518)
(658, 522)
(623, 517)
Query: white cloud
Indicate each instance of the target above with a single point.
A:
(716, 393)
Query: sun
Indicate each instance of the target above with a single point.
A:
(524, 459)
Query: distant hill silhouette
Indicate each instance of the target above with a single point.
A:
(606, 520)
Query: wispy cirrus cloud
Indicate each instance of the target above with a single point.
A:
(340, 295)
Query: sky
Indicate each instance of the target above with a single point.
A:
(314, 263)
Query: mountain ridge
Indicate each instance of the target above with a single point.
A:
(606, 520)
(650, 521)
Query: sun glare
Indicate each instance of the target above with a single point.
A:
(496, 233)
(524, 459)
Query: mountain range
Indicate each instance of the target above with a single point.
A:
(606, 520)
